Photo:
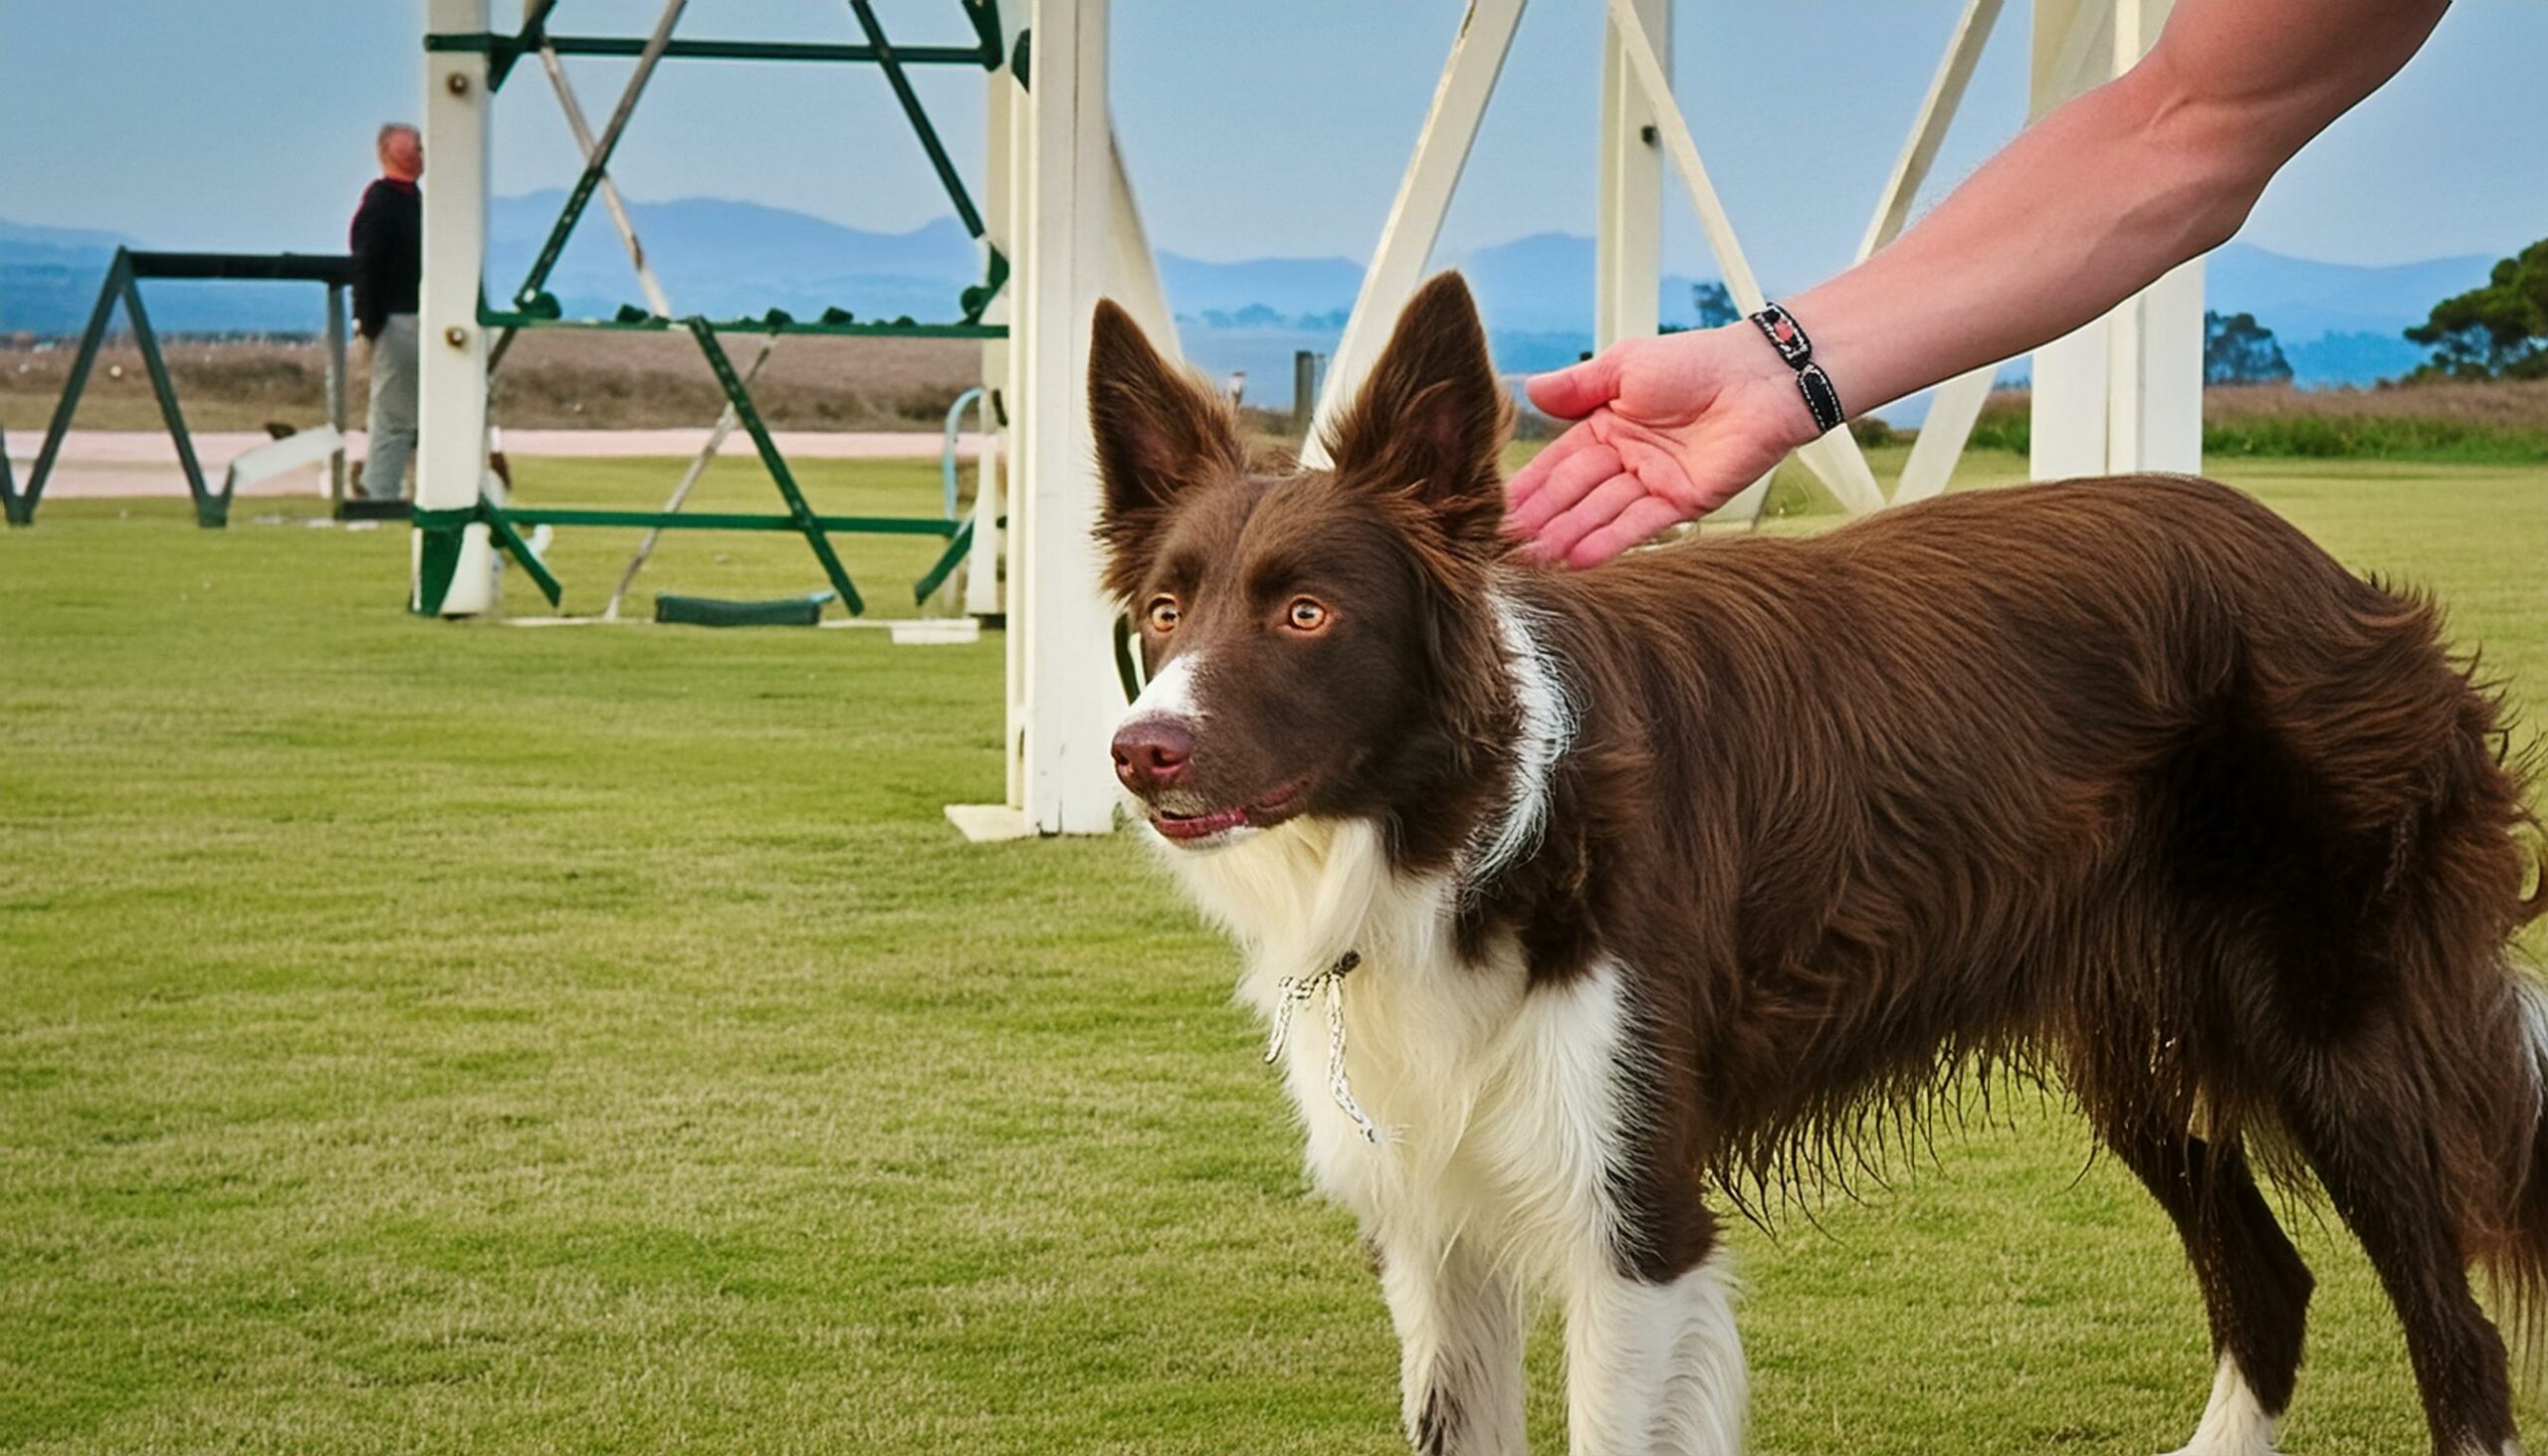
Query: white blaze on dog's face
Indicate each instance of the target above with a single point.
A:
(1297, 626)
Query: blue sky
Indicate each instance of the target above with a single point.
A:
(1252, 129)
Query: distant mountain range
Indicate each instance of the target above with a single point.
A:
(2338, 323)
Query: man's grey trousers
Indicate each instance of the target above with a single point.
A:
(393, 409)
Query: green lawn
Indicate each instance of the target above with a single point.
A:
(433, 1037)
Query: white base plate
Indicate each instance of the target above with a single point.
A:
(989, 823)
(937, 632)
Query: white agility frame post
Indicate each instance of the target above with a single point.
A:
(1416, 216)
(1834, 457)
(985, 596)
(1068, 703)
(451, 420)
(1957, 404)
(1022, 201)
(1057, 186)
(2072, 51)
(2154, 359)
(1627, 275)
(2124, 392)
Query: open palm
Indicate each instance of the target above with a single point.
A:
(1666, 429)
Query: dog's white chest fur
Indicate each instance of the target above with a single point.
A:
(1495, 1103)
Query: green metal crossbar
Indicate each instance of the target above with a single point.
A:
(597, 164)
(442, 528)
(891, 64)
(122, 285)
(504, 50)
(444, 531)
(534, 308)
(534, 34)
(509, 538)
(777, 464)
(836, 325)
(730, 521)
(936, 577)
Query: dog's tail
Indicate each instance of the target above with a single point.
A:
(2516, 1256)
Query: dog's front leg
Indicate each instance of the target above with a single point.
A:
(1653, 1369)
(1459, 1332)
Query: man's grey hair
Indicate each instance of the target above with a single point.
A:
(393, 129)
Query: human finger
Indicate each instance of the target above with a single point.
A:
(1634, 526)
(1579, 389)
(1571, 482)
(1536, 471)
(1558, 537)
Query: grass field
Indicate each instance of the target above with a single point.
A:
(421, 1038)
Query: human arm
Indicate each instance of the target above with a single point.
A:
(2074, 215)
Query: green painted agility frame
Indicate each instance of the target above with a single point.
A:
(124, 286)
(534, 308)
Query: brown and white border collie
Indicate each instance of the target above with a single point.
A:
(1639, 888)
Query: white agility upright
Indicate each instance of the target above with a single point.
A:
(2124, 393)
(451, 415)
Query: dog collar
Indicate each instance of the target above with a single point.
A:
(1291, 992)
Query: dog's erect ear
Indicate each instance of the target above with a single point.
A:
(1159, 433)
(1431, 419)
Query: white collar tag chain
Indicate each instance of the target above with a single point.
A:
(1292, 992)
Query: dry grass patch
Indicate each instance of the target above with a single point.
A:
(554, 380)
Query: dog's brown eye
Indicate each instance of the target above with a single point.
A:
(1162, 614)
(1306, 615)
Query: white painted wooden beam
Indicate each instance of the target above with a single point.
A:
(2066, 60)
(2153, 412)
(983, 589)
(1628, 235)
(292, 452)
(1021, 193)
(1133, 270)
(451, 416)
(1834, 457)
(1929, 129)
(592, 146)
(2074, 49)
(1939, 447)
(1424, 198)
(1071, 700)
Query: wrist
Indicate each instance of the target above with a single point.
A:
(1785, 340)
(1762, 388)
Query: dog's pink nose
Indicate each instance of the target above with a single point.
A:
(1150, 754)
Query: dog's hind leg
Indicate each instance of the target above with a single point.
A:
(1654, 1368)
(1459, 1331)
(2255, 1290)
(2384, 1177)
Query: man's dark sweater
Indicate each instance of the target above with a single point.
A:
(389, 252)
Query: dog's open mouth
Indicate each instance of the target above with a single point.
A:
(1264, 813)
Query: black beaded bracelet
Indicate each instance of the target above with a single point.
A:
(1787, 335)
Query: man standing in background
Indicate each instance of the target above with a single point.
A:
(388, 242)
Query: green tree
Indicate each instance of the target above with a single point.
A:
(2499, 332)
(2236, 350)
(1715, 305)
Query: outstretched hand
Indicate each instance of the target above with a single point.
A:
(1666, 429)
